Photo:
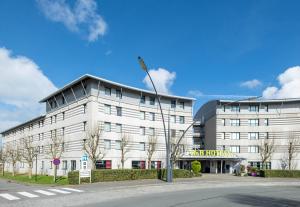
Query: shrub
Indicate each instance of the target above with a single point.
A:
(196, 167)
(242, 168)
(126, 174)
(280, 173)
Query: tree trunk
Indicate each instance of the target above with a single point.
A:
(3, 168)
(149, 164)
(30, 171)
(13, 170)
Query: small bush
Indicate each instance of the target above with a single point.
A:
(196, 167)
(280, 173)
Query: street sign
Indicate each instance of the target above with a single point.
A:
(85, 173)
(84, 157)
(56, 161)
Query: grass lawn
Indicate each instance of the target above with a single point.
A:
(41, 179)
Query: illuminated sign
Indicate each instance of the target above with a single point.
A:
(211, 153)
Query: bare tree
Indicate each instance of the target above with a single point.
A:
(29, 153)
(152, 145)
(3, 159)
(92, 146)
(56, 149)
(177, 149)
(266, 150)
(13, 155)
(124, 142)
(293, 142)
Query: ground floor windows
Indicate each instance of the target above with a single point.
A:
(73, 165)
(155, 164)
(65, 165)
(138, 164)
(259, 165)
(103, 164)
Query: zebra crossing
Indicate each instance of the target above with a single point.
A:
(38, 193)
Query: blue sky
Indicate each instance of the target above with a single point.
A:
(214, 47)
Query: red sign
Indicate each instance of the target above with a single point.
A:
(56, 161)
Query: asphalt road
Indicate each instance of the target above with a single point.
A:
(207, 191)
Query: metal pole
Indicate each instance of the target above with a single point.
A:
(144, 67)
(36, 169)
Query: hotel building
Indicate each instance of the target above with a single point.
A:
(91, 101)
(241, 127)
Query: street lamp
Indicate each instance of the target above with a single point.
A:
(167, 140)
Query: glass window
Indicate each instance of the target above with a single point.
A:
(107, 126)
(142, 130)
(181, 119)
(181, 104)
(173, 132)
(235, 108)
(235, 135)
(235, 149)
(151, 132)
(266, 107)
(103, 164)
(65, 164)
(84, 108)
(73, 165)
(152, 100)
(173, 119)
(119, 128)
(138, 164)
(118, 145)
(223, 135)
(152, 116)
(142, 115)
(223, 122)
(155, 164)
(84, 126)
(143, 99)
(266, 122)
(253, 122)
(253, 108)
(234, 122)
(107, 144)
(173, 104)
(253, 135)
(253, 149)
(107, 109)
(63, 115)
(119, 111)
(118, 94)
(142, 146)
(107, 91)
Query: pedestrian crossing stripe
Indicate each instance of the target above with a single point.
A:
(72, 189)
(44, 192)
(29, 195)
(8, 196)
(59, 191)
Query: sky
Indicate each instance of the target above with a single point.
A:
(206, 49)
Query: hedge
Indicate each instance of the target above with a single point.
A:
(126, 174)
(280, 173)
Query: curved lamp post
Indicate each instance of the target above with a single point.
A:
(167, 140)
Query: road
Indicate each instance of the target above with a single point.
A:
(206, 191)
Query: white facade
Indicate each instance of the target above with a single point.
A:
(120, 109)
(242, 126)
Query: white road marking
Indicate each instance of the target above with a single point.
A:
(72, 189)
(44, 192)
(59, 191)
(29, 195)
(8, 196)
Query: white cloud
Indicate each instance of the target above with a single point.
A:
(23, 84)
(162, 78)
(199, 94)
(81, 18)
(251, 83)
(289, 82)
(195, 93)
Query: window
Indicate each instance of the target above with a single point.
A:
(138, 164)
(63, 115)
(65, 165)
(142, 146)
(181, 119)
(55, 118)
(253, 135)
(107, 126)
(51, 120)
(63, 131)
(152, 100)
(118, 93)
(107, 91)
(142, 115)
(143, 99)
(253, 122)
(39, 137)
(235, 135)
(223, 135)
(235, 108)
(103, 164)
(223, 122)
(119, 111)
(173, 132)
(173, 119)
(119, 128)
(152, 116)
(73, 165)
(118, 145)
(266, 107)
(107, 144)
(253, 108)
(151, 132)
(235, 149)
(155, 164)
(142, 130)
(259, 164)
(63, 147)
(253, 149)
(107, 109)
(84, 126)
(63, 100)
(266, 122)
(173, 104)
(84, 108)
(234, 122)
(181, 104)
